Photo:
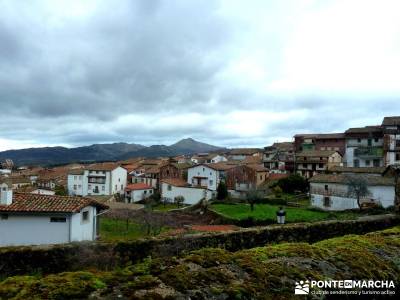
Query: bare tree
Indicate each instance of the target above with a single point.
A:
(357, 186)
(254, 196)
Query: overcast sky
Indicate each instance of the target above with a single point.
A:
(230, 73)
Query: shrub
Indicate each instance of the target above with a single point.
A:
(293, 183)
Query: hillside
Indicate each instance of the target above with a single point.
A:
(101, 152)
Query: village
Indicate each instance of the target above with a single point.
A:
(314, 174)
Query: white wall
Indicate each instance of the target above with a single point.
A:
(25, 229)
(83, 230)
(192, 195)
(212, 175)
(138, 195)
(383, 195)
(118, 180)
(33, 230)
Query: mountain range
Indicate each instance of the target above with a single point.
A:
(102, 152)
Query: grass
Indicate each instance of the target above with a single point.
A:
(166, 207)
(268, 212)
(117, 229)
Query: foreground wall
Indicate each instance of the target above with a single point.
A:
(70, 257)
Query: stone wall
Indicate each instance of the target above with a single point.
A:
(78, 256)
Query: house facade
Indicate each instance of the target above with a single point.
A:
(320, 142)
(310, 163)
(243, 178)
(33, 219)
(330, 191)
(172, 188)
(135, 192)
(279, 158)
(364, 147)
(391, 140)
(207, 176)
(98, 179)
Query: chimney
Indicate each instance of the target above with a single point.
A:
(6, 195)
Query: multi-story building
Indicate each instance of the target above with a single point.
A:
(391, 140)
(207, 176)
(279, 158)
(320, 142)
(364, 147)
(243, 178)
(311, 162)
(97, 179)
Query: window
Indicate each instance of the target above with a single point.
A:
(103, 188)
(320, 158)
(151, 191)
(304, 165)
(376, 162)
(169, 187)
(356, 163)
(367, 162)
(376, 140)
(369, 142)
(145, 192)
(116, 187)
(327, 202)
(211, 182)
(397, 156)
(359, 140)
(85, 216)
(326, 187)
(119, 179)
(74, 186)
(320, 166)
(58, 220)
(204, 169)
(75, 177)
(4, 217)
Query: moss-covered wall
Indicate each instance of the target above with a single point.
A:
(78, 256)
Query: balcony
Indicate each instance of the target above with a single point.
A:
(368, 152)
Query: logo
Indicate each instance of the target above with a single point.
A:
(302, 287)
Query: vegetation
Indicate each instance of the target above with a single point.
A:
(222, 191)
(113, 229)
(268, 212)
(357, 187)
(260, 273)
(60, 190)
(253, 197)
(293, 183)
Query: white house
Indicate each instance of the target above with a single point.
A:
(135, 192)
(207, 175)
(97, 179)
(330, 191)
(36, 219)
(173, 187)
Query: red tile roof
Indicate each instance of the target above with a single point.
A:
(24, 202)
(137, 186)
(175, 182)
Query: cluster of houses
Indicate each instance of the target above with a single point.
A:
(31, 197)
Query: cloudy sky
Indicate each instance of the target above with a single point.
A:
(230, 73)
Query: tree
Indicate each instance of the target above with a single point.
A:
(253, 197)
(357, 186)
(60, 190)
(222, 191)
(179, 200)
(293, 183)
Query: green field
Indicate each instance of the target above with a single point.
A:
(117, 229)
(268, 212)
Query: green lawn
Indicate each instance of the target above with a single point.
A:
(117, 229)
(268, 212)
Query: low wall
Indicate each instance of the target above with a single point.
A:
(78, 256)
